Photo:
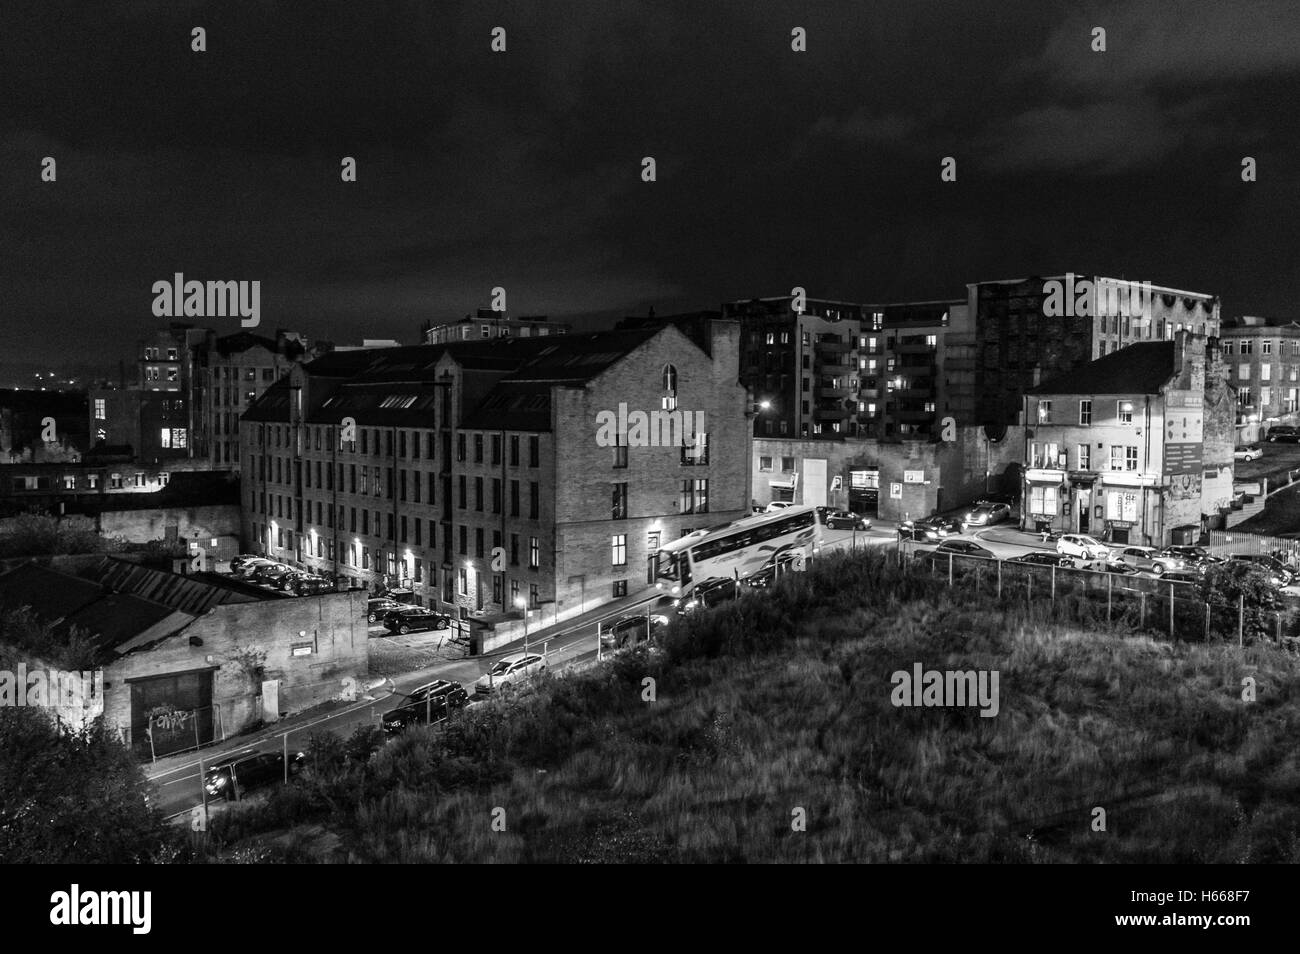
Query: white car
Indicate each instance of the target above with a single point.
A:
(1247, 453)
(1083, 546)
(510, 671)
(778, 505)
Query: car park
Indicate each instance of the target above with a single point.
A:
(380, 606)
(1082, 546)
(710, 593)
(1247, 453)
(987, 513)
(511, 672)
(1284, 434)
(431, 702)
(631, 630)
(1149, 559)
(415, 619)
(845, 520)
(233, 777)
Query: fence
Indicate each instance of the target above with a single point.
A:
(1097, 597)
(1225, 542)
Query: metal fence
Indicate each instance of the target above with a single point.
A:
(1224, 542)
(1102, 598)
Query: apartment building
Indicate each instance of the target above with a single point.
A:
(839, 369)
(236, 370)
(1028, 330)
(1133, 445)
(499, 475)
(1263, 359)
(490, 324)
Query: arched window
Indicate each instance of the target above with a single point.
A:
(670, 379)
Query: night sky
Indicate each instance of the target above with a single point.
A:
(523, 169)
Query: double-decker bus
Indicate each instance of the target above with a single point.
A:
(736, 550)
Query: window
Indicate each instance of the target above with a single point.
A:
(460, 446)
(1265, 397)
(1247, 347)
(534, 500)
(1085, 457)
(1227, 347)
(670, 379)
(101, 412)
(620, 452)
(619, 502)
(1243, 371)
(534, 452)
(514, 451)
(1124, 411)
(765, 463)
(1266, 347)
(1265, 372)
(618, 549)
(534, 596)
(534, 552)
(1044, 412)
(1116, 457)
(1043, 500)
(1085, 412)
(787, 464)
(694, 496)
(478, 448)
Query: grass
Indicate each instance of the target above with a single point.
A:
(778, 707)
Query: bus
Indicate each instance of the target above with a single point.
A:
(736, 550)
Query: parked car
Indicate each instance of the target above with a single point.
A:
(291, 579)
(432, 701)
(250, 566)
(776, 566)
(1149, 559)
(511, 672)
(930, 529)
(381, 606)
(270, 575)
(956, 548)
(1039, 558)
(1285, 434)
(778, 505)
(1119, 569)
(415, 619)
(1195, 558)
(1279, 572)
(234, 777)
(313, 586)
(709, 593)
(837, 519)
(987, 513)
(631, 630)
(1082, 546)
(240, 560)
(1247, 453)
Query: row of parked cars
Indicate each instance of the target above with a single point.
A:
(398, 617)
(435, 701)
(279, 576)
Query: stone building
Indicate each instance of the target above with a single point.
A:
(1133, 447)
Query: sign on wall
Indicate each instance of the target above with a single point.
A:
(913, 476)
(896, 491)
(1184, 434)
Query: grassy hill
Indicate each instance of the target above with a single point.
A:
(782, 702)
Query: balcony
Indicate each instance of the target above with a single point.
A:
(912, 416)
(928, 349)
(832, 393)
(830, 413)
(833, 364)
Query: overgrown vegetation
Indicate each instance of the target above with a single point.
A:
(780, 703)
(25, 638)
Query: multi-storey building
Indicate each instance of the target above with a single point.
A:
(1027, 330)
(488, 476)
(1133, 445)
(1263, 359)
(840, 369)
(490, 324)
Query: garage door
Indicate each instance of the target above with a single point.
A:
(175, 709)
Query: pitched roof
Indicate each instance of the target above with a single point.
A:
(1141, 368)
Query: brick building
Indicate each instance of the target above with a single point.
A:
(1131, 445)
(476, 475)
(1263, 360)
(490, 324)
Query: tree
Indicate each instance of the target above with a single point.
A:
(1238, 583)
(72, 797)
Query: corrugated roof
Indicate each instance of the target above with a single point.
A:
(1141, 368)
(184, 593)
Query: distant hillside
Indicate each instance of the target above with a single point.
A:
(778, 708)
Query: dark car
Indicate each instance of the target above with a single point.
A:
(1285, 434)
(631, 630)
(291, 580)
(271, 575)
(381, 606)
(710, 593)
(233, 778)
(772, 570)
(956, 548)
(930, 530)
(1039, 558)
(416, 619)
(1196, 558)
(836, 519)
(1278, 571)
(240, 560)
(312, 586)
(425, 705)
